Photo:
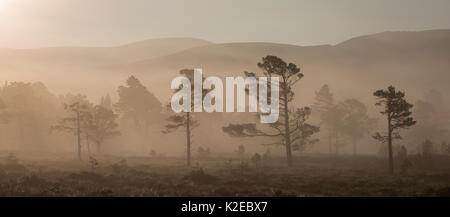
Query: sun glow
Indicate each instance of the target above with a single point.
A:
(3, 5)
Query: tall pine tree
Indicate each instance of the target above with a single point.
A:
(398, 115)
(290, 128)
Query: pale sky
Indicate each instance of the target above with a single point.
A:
(43, 23)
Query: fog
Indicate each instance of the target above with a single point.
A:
(103, 104)
(415, 62)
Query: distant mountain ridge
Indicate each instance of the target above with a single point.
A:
(95, 56)
(413, 61)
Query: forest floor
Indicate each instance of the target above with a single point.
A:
(222, 176)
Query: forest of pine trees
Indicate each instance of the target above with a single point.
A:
(333, 123)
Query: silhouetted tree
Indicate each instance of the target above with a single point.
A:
(87, 125)
(30, 107)
(433, 113)
(137, 103)
(304, 131)
(355, 121)
(324, 102)
(398, 114)
(176, 121)
(77, 121)
(185, 120)
(347, 118)
(103, 125)
(287, 128)
(333, 118)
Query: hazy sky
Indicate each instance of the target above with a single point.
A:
(41, 23)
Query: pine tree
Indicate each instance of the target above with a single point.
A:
(398, 114)
(137, 103)
(324, 102)
(77, 121)
(355, 121)
(103, 126)
(185, 120)
(287, 128)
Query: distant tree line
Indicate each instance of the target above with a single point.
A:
(32, 106)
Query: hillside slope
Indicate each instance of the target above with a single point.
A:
(414, 61)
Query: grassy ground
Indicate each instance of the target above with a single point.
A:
(222, 176)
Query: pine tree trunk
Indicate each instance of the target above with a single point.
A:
(391, 161)
(287, 135)
(188, 140)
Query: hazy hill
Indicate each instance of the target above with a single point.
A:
(94, 56)
(64, 60)
(414, 61)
